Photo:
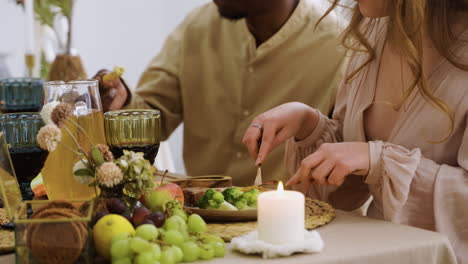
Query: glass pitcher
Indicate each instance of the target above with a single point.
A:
(58, 170)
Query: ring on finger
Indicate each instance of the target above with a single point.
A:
(257, 125)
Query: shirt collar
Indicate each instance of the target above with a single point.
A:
(295, 22)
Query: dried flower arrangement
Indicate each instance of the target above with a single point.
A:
(130, 175)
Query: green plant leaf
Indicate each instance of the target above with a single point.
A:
(45, 67)
(83, 173)
(97, 156)
(44, 13)
(64, 5)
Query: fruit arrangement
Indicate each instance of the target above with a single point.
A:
(231, 199)
(155, 229)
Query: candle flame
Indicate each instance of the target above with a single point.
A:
(280, 187)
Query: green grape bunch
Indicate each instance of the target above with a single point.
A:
(179, 240)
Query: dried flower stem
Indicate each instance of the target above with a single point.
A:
(95, 187)
(95, 179)
(76, 143)
(69, 148)
(83, 130)
(73, 138)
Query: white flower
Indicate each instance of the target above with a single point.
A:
(82, 179)
(123, 163)
(136, 156)
(137, 169)
(47, 111)
(109, 174)
(48, 137)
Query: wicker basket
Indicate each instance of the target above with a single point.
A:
(7, 237)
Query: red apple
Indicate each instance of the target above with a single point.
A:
(174, 190)
(156, 198)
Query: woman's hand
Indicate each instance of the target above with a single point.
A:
(277, 125)
(331, 163)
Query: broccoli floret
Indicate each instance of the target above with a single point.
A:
(213, 199)
(250, 197)
(231, 195)
(242, 204)
(218, 197)
(248, 200)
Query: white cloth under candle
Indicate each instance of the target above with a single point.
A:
(250, 244)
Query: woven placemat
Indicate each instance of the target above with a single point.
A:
(317, 213)
(7, 237)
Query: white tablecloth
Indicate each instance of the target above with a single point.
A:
(357, 240)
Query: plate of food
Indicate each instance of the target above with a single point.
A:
(223, 204)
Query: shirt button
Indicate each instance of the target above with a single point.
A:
(250, 69)
(246, 113)
(239, 155)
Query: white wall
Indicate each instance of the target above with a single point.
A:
(107, 33)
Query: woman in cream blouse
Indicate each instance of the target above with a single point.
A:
(399, 130)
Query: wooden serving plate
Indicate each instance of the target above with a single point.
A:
(194, 194)
(209, 181)
(224, 215)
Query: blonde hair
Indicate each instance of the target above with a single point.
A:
(407, 22)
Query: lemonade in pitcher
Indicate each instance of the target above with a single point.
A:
(58, 169)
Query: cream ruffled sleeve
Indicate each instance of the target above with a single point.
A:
(354, 192)
(417, 191)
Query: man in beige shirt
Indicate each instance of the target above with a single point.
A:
(229, 61)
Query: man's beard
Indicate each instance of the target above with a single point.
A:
(231, 16)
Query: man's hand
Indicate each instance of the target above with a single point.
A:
(113, 93)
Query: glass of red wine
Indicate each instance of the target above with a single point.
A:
(20, 130)
(134, 130)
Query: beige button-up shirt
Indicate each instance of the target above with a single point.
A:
(211, 75)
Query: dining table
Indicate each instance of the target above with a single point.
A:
(353, 239)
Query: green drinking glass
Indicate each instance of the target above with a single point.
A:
(136, 130)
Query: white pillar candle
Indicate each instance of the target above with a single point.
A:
(281, 216)
(29, 22)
